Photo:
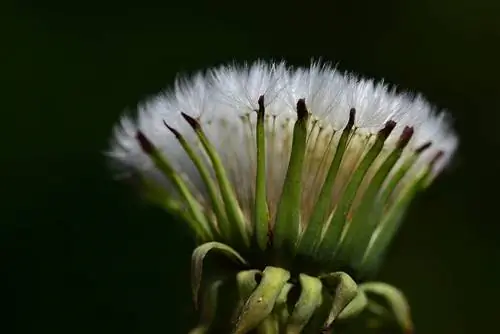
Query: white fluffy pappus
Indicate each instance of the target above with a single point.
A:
(224, 101)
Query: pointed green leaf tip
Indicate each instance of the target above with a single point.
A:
(287, 225)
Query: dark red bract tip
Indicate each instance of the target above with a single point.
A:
(387, 129)
(174, 131)
(423, 147)
(146, 145)
(302, 112)
(405, 137)
(192, 121)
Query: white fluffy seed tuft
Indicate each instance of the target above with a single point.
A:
(224, 101)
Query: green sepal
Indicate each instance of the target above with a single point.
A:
(153, 193)
(359, 231)
(269, 325)
(222, 222)
(261, 218)
(394, 301)
(355, 307)
(246, 283)
(201, 228)
(281, 306)
(233, 210)
(331, 238)
(287, 223)
(390, 223)
(312, 233)
(317, 322)
(309, 300)
(261, 302)
(388, 191)
(197, 261)
(343, 289)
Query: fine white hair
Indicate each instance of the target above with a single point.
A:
(224, 101)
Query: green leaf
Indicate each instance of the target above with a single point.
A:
(309, 300)
(233, 210)
(198, 258)
(261, 210)
(287, 225)
(358, 233)
(261, 302)
(314, 228)
(395, 302)
(343, 289)
(331, 239)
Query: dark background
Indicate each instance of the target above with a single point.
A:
(81, 254)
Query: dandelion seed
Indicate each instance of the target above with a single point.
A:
(296, 175)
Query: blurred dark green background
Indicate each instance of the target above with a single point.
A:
(81, 254)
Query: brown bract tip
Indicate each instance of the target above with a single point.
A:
(262, 108)
(174, 131)
(146, 145)
(423, 147)
(302, 112)
(387, 129)
(352, 116)
(191, 120)
(405, 137)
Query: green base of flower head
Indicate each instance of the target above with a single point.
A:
(272, 300)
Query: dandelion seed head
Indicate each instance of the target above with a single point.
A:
(224, 102)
